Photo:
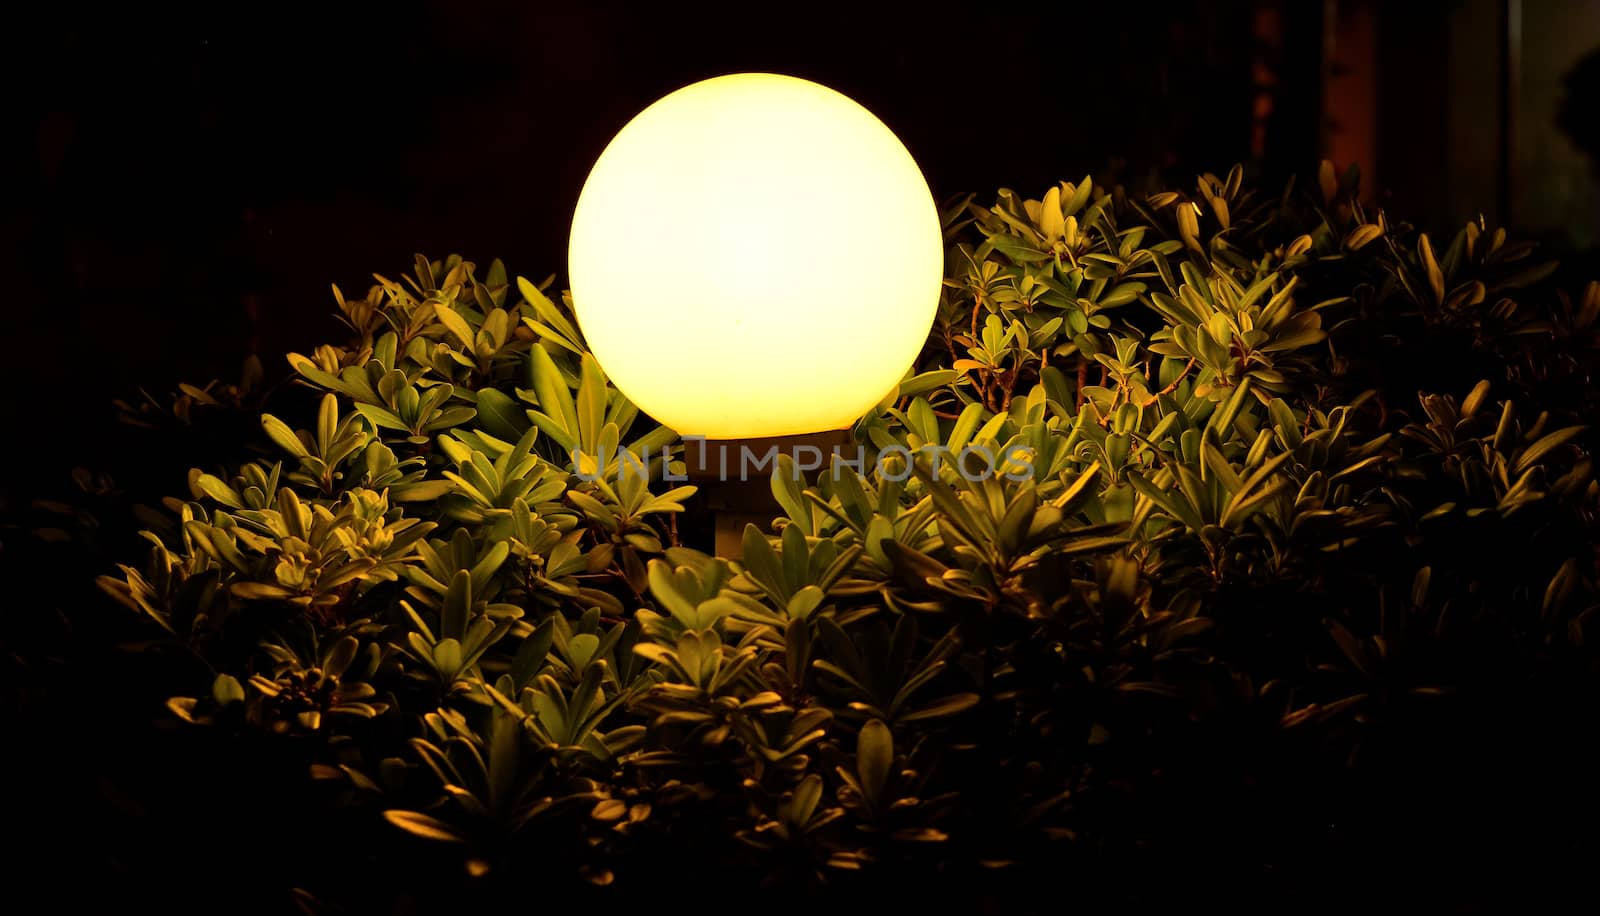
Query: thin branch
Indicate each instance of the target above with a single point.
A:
(1173, 386)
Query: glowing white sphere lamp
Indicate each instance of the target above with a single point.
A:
(755, 255)
(755, 258)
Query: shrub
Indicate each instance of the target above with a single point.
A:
(1306, 530)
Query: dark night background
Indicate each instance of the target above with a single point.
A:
(181, 186)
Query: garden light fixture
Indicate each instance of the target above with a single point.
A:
(755, 257)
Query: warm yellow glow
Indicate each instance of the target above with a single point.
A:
(755, 255)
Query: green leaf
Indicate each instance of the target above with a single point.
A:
(457, 606)
(550, 334)
(660, 576)
(259, 590)
(555, 399)
(1284, 422)
(502, 417)
(591, 405)
(806, 796)
(214, 487)
(804, 601)
(1222, 420)
(874, 757)
(1475, 398)
(550, 315)
(1091, 545)
(788, 489)
(226, 689)
(763, 565)
(1537, 451)
(327, 425)
(530, 657)
(429, 828)
(1174, 504)
(1430, 266)
(382, 418)
(943, 708)
(927, 381)
(1528, 276)
(421, 491)
(455, 324)
(285, 438)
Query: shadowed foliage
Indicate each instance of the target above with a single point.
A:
(1279, 587)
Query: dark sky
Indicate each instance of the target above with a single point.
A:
(164, 168)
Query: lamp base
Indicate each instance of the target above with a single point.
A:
(735, 478)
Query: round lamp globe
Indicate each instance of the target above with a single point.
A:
(755, 255)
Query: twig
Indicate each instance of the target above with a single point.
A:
(1170, 387)
(1011, 385)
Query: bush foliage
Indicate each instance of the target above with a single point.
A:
(1305, 554)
